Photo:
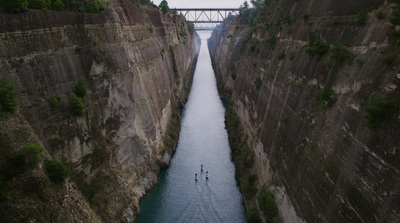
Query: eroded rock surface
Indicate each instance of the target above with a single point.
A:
(136, 64)
(322, 163)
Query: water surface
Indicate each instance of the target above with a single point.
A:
(203, 141)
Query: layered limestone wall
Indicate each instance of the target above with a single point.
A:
(135, 63)
(321, 164)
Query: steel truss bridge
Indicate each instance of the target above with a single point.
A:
(206, 18)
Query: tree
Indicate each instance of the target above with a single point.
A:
(95, 6)
(39, 4)
(257, 3)
(76, 105)
(28, 157)
(80, 89)
(145, 2)
(56, 171)
(58, 5)
(14, 6)
(8, 99)
(164, 6)
(245, 5)
(31, 153)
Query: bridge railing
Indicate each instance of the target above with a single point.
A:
(206, 18)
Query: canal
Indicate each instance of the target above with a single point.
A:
(178, 197)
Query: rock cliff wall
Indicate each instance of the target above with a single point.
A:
(306, 116)
(136, 64)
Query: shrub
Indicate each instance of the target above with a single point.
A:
(191, 28)
(39, 4)
(395, 18)
(326, 98)
(30, 152)
(254, 216)
(360, 62)
(316, 47)
(395, 37)
(336, 20)
(267, 205)
(380, 14)
(306, 17)
(78, 48)
(387, 60)
(80, 89)
(281, 55)
(96, 41)
(151, 29)
(182, 32)
(53, 102)
(8, 99)
(379, 111)
(248, 189)
(56, 171)
(272, 41)
(95, 6)
(14, 6)
(28, 157)
(76, 105)
(58, 5)
(257, 83)
(340, 53)
(361, 18)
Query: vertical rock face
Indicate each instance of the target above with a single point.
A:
(135, 63)
(308, 118)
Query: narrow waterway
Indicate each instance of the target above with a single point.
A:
(178, 197)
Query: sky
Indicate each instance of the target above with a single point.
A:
(202, 3)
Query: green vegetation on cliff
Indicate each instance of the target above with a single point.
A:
(267, 205)
(56, 171)
(14, 6)
(380, 111)
(8, 99)
(27, 158)
(326, 99)
(76, 105)
(316, 47)
(164, 6)
(80, 89)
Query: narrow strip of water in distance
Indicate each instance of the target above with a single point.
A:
(203, 140)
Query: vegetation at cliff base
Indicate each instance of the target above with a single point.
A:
(76, 105)
(8, 99)
(56, 171)
(267, 205)
(254, 216)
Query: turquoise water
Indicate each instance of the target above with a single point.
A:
(203, 141)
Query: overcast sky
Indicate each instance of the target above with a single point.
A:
(202, 3)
